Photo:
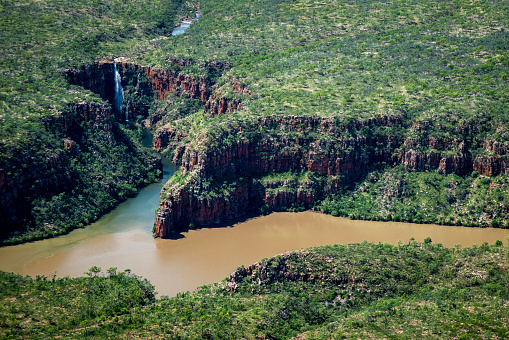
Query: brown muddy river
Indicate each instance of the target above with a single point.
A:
(123, 239)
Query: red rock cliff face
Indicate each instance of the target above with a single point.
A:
(166, 81)
(182, 207)
(100, 114)
(98, 77)
(344, 157)
(281, 152)
(340, 159)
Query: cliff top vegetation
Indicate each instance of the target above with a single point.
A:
(53, 177)
(440, 68)
(439, 64)
(442, 64)
(347, 81)
(42, 38)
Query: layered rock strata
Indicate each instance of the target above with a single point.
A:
(335, 150)
(98, 77)
(324, 146)
(297, 146)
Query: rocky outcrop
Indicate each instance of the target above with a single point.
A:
(163, 137)
(286, 197)
(217, 106)
(461, 162)
(98, 113)
(324, 146)
(194, 204)
(294, 147)
(491, 165)
(331, 147)
(238, 87)
(99, 78)
(166, 81)
(287, 151)
(183, 207)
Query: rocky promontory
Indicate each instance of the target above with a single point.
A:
(336, 154)
(226, 169)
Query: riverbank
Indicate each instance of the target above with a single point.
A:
(123, 239)
(356, 290)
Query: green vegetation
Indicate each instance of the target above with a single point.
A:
(360, 58)
(424, 197)
(439, 67)
(42, 38)
(47, 189)
(362, 290)
(44, 307)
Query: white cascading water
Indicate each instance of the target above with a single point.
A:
(127, 112)
(118, 99)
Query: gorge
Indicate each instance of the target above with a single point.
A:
(374, 132)
(123, 237)
(330, 153)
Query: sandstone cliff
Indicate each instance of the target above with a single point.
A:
(324, 146)
(98, 77)
(339, 151)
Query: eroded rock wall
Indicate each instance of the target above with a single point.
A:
(298, 144)
(98, 77)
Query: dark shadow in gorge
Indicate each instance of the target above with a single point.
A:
(179, 233)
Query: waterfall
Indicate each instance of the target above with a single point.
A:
(118, 100)
(127, 112)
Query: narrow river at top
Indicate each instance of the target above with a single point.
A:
(123, 239)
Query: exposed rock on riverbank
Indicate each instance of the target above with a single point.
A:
(223, 171)
(295, 144)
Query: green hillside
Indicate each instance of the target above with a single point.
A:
(378, 110)
(414, 92)
(440, 62)
(437, 68)
(351, 291)
(53, 174)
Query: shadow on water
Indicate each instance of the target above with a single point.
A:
(181, 232)
(123, 239)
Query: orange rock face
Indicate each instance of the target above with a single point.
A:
(342, 160)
